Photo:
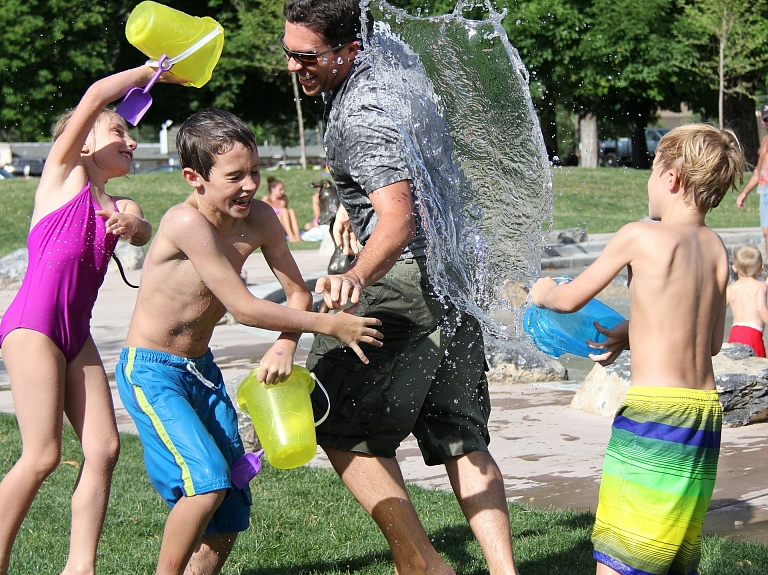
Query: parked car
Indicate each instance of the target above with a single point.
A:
(5, 174)
(618, 153)
(163, 168)
(26, 166)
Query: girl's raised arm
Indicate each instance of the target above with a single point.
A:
(65, 151)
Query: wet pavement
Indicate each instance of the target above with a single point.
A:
(550, 455)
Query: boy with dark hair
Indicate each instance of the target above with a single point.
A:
(166, 376)
(661, 461)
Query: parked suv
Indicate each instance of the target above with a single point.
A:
(26, 166)
(617, 153)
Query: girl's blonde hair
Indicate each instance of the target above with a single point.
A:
(708, 160)
(61, 123)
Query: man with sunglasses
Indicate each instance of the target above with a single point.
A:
(759, 179)
(428, 378)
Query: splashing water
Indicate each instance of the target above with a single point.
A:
(458, 93)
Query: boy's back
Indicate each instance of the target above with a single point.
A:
(677, 310)
(747, 297)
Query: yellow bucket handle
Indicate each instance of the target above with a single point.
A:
(327, 411)
(192, 49)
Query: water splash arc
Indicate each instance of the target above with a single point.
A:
(481, 175)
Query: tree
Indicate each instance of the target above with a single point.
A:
(547, 34)
(723, 41)
(50, 51)
(627, 71)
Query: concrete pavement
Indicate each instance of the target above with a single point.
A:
(550, 455)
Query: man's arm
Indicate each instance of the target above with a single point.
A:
(395, 228)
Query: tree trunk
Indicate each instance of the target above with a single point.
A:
(739, 111)
(588, 142)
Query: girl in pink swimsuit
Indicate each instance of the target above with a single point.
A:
(53, 364)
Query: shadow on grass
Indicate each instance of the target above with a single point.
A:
(560, 546)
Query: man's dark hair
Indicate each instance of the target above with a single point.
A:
(207, 134)
(338, 21)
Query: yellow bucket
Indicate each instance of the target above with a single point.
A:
(193, 44)
(282, 416)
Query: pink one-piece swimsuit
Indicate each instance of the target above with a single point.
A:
(69, 251)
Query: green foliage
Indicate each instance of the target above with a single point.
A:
(50, 51)
(738, 28)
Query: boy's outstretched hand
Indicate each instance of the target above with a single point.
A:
(616, 341)
(352, 330)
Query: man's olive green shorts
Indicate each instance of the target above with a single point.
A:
(428, 379)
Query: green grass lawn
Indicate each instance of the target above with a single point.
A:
(599, 200)
(304, 521)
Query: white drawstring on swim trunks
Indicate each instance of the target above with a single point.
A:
(192, 368)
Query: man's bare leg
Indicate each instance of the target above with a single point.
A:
(377, 483)
(479, 488)
(211, 554)
(184, 529)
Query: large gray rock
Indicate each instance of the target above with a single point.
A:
(740, 377)
(742, 382)
(511, 361)
(131, 257)
(12, 269)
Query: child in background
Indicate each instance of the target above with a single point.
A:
(279, 203)
(759, 180)
(52, 362)
(747, 298)
(661, 461)
(166, 376)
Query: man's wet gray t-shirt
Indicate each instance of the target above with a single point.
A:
(365, 151)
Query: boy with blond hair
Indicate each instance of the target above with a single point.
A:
(661, 461)
(747, 298)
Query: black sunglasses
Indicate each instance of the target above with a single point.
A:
(307, 58)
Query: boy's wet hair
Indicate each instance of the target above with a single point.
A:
(210, 133)
(748, 260)
(708, 160)
(338, 21)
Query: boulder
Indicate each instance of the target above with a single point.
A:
(131, 257)
(740, 377)
(742, 382)
(512, 361)
(12, 269)
(604, 388)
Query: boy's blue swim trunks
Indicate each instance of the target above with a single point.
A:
(188, 427)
